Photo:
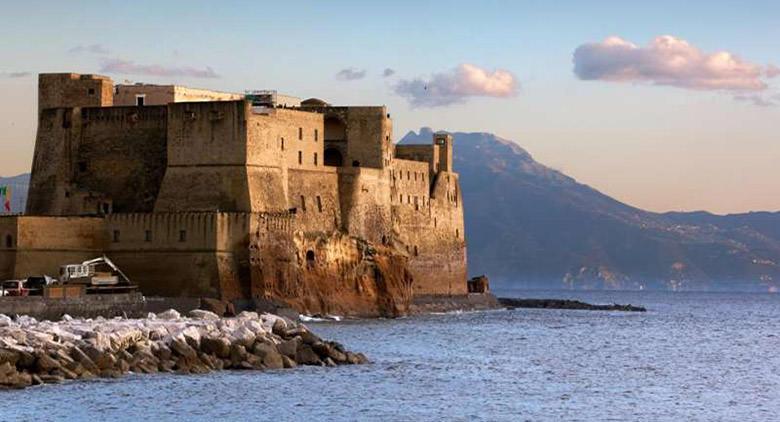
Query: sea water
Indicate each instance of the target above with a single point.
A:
(692, 356)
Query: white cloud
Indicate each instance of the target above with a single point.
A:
(15, 75)
(672, 61)
(457, 85)
(350, 74)
(759, 100)
(772, 71)
(92, 49)
(128, 67)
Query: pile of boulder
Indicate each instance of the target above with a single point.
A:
(38, 352)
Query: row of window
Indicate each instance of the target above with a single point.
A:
(425, 200)
(318, 201)
(300, 134)
(117, 236)
(300, 137)
(409, 175)
(300, 158)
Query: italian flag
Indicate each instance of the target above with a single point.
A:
(5, 197)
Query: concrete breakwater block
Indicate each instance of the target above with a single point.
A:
(38, 352)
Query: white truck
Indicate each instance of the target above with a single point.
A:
(95, 272)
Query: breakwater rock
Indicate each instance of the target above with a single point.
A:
(565, 304)
(37, 352)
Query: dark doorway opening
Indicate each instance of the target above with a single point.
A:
(310, 258)
(333, 157)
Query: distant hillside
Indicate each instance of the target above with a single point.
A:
(19, 185)
(528, 225)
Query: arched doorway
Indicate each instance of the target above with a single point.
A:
(333, 157)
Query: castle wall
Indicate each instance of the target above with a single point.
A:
(410, 185)
(40, 245)
(365, 209)
(51, 166)
(279, 142)
(366, 133)
(120, 154)
(315, 196)
(440, 243)
(428, 154)
(167, 254)
(206, 158)
(96, 160)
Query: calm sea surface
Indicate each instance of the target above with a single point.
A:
(693, 356)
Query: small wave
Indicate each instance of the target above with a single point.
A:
(320, 318)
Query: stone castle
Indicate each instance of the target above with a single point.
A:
(238, 196)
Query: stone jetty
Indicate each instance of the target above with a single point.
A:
(513, 303)
(40, 352)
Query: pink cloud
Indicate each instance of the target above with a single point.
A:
(669, 60)
(457, 85)
(128, 67)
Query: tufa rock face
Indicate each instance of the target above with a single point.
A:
(31, 353)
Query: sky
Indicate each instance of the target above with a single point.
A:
(665, 105)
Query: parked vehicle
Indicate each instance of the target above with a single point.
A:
(36, 284)
(95, 272)
(13, 288)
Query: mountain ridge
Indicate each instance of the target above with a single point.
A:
(533, 226)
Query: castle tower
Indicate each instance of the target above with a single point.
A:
(58, 90)
(444, 142)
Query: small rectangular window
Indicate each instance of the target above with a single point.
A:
(300, 133)
(182, 235)
(148, 236)
(300, 157)
(91, 91)
(9, 241)
(140, 100)
(82, 166)
(303, 203)
(116, 236)
(316, 135)
(315, 158)
(282, 144)
(319, 203)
